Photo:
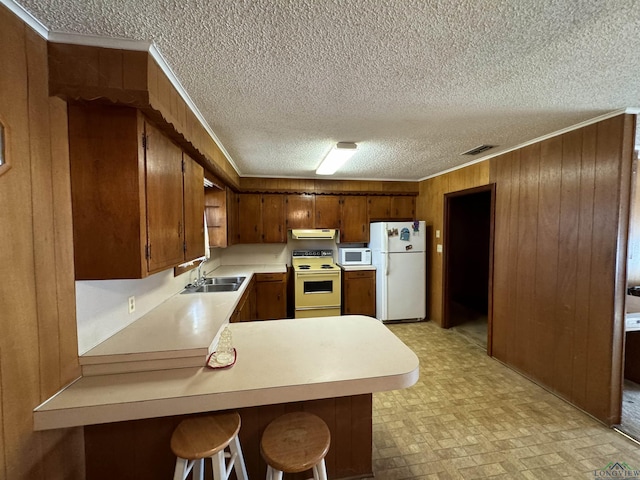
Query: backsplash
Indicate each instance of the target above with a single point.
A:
(101, 305)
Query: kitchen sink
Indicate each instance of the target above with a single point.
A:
(224, 280)
(216, 284)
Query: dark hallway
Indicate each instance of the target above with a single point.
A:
(468, 261)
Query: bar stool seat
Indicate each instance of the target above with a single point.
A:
(295, 442)
(197, 438)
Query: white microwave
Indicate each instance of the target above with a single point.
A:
(354, 256)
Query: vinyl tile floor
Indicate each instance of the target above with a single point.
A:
(470, 417)
(631, 409)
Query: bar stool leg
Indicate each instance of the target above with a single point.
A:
(273, 474)
(181, 470)
(219, 466)
(236, 453)
(198, 469)
(320, 471)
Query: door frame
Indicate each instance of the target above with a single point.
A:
(446, 323)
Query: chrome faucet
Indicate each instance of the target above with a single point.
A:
(201, 274)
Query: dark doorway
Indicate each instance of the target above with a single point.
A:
(467, 262)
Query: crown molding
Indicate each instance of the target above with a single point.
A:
(600, 118)
(27, 18)
(122, 44)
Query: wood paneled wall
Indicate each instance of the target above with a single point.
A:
(561, 222)
(38, 344)
(80, 72)
(430, 208)
(347, 187)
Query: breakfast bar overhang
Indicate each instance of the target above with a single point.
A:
(281, 364)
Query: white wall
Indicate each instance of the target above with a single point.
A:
(270, 253)
(102, 305)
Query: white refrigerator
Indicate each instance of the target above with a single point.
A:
(398, 251)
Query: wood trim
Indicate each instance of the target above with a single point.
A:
(326, 187)
(445, 257)
(133, 78)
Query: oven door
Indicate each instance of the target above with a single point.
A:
(316, 290)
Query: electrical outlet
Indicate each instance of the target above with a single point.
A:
(132, 304)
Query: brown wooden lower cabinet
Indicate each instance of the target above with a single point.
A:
(246, 309)
(359, 292)
(139, 449)
(271, 296)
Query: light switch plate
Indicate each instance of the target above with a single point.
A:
(439, 248)
(437, 233)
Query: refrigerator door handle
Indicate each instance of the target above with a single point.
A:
(387, 260)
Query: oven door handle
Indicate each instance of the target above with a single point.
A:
(324, 307)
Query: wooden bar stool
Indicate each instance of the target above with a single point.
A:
(295, 442)
(197, 438)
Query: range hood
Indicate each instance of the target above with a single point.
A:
(313, 234)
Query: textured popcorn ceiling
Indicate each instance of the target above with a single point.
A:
(413, 82)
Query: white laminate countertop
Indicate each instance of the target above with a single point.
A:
(278, 361)
(350, 268)
(183, 325)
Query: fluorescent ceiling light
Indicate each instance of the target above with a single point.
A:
(336, 158)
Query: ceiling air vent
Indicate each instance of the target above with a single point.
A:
(477, 150)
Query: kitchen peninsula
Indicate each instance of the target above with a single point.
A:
(328, 365)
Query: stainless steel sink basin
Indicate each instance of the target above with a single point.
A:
(223, 280)
(222, 287)
(217, 284)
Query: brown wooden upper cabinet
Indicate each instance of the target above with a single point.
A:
(250, 218)
(328, 211)
(354, 220)
(384, 208)
(273, 219)
(261, 218)
(300, 210)
(403, 208)
(135, 212)
(193, 201)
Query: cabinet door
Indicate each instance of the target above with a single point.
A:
(273, 230)
(327, 211)
(165, 228)
(232, 217)
(271, 300)
(109, 229)
(250, 218)
(193, 180)
(403, 207)
(354, 222)
(359, 293)
(300, 211)
(379, 208)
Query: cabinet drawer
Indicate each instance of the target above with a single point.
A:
(271, 277)
(360, 274)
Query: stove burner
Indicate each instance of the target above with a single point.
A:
(304, 267)
(326, 265)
